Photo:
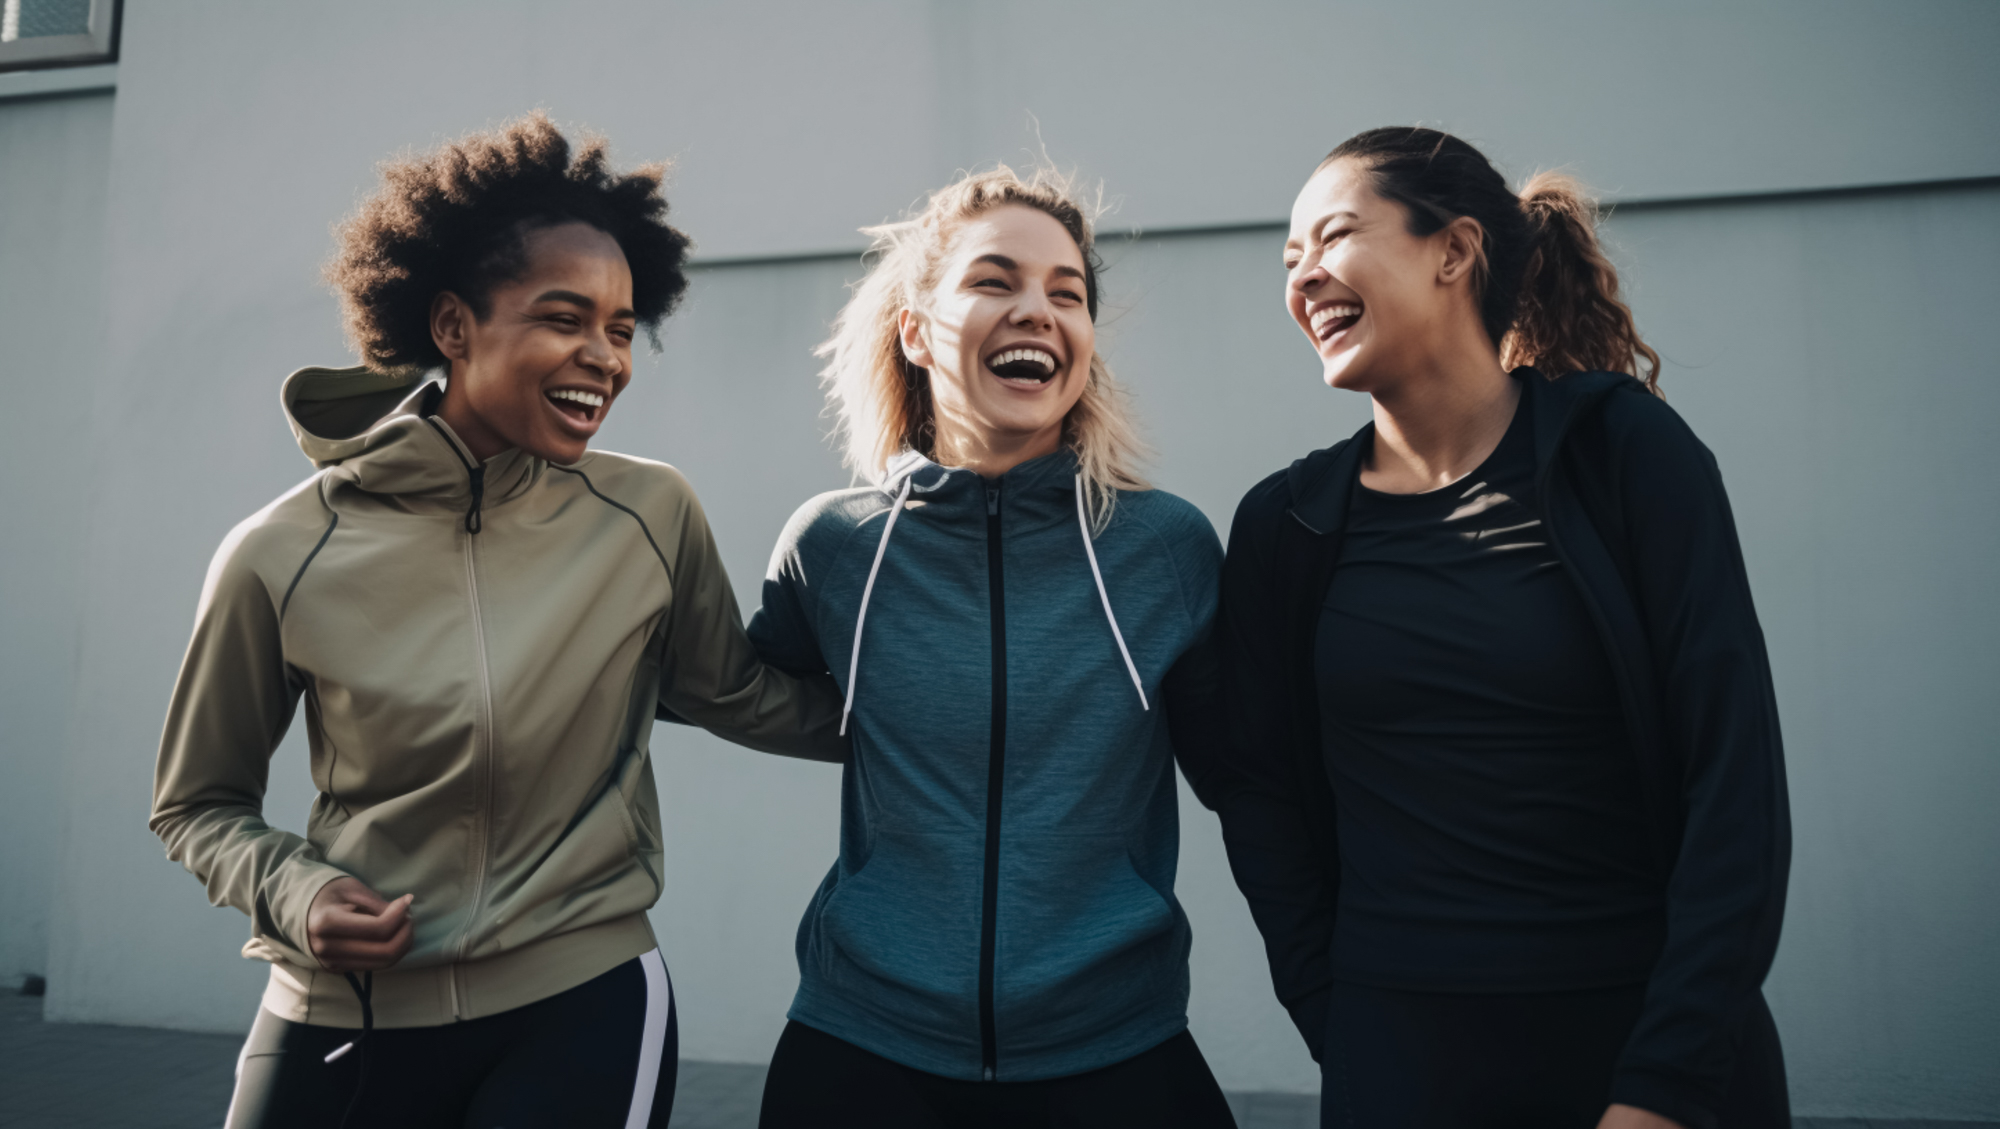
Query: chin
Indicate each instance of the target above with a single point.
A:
(1344, 375)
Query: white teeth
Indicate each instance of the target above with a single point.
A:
(588, 399)
(1038, 356)
(1322, 316)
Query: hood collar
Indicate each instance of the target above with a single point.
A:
(379, 432)
(1322, 482)
(1026, 488)
(1040, 483)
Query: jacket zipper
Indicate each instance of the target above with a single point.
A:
(482, 752)
(996, 765)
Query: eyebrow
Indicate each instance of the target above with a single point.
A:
(1005, 263)
(584, 300)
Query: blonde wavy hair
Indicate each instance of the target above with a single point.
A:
(882, 401)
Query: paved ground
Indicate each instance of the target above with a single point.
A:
(77, 1076)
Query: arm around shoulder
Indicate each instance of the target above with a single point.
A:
(712, 675)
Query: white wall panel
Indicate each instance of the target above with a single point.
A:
(52, 161)
(796, 121)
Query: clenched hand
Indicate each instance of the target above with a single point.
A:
(354, 929)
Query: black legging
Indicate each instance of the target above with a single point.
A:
(820, 1082)
(1439, 1060)
(571, 1061)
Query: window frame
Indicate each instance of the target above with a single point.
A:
(98, 45)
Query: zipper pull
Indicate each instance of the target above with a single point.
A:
(473, 520)
(992, 499)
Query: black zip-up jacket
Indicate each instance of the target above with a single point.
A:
(1634, 507)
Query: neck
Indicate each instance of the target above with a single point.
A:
(481, 440)
(991, 454)
(1436, 424)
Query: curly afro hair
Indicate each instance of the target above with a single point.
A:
(457, 218)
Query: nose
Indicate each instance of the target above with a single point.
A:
(1308, 276)
(1033, 311)
(599, 356)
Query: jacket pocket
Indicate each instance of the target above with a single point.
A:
(1085, 944)
(590, 871)
(900, 936)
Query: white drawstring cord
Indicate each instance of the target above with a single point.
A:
(1083, 523)
(861, 617)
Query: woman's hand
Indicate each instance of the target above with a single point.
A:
(354, 929)
(1632, 1117)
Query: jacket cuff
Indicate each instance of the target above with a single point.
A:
(301, 883)
(1309, 1016)
(1665, 1095)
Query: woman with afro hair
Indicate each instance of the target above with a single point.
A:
(482, 618)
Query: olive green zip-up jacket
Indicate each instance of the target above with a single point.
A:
(481, 651)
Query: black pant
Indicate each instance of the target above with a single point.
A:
(578, 1059)
(820, 1082)
(1440, 1060)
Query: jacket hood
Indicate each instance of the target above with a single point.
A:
(379, 432)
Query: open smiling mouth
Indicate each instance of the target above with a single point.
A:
(1330, 320)
(1025, 367)
(577, 405)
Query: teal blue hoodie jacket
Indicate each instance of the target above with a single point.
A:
(1003, 904)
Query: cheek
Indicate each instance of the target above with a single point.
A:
(1082, 345)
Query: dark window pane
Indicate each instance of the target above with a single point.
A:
(32, 19)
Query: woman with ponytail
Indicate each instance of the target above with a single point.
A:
(1019, 625)
(1519, 839)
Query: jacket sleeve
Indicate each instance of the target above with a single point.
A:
(782, 628)
(1726, 895)
(231, 706)
(1193, 700)
(1281, 867)
(1191, 692)
(711, 675)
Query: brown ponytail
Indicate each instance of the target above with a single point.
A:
(1569, 317)
(1548, 297)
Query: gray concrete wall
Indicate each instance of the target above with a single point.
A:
(1826, 349)
(53, 153)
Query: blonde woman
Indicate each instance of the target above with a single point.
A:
(1018, 624)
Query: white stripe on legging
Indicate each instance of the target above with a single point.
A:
(229, 1119)
(659, 1000)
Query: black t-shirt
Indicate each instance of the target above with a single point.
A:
(1490, 827)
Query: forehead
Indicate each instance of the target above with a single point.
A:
(574, 249)
(1029, 236)
(1342, 186)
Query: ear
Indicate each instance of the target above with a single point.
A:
(910, 328)
(451, 325)
(1464, 251)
